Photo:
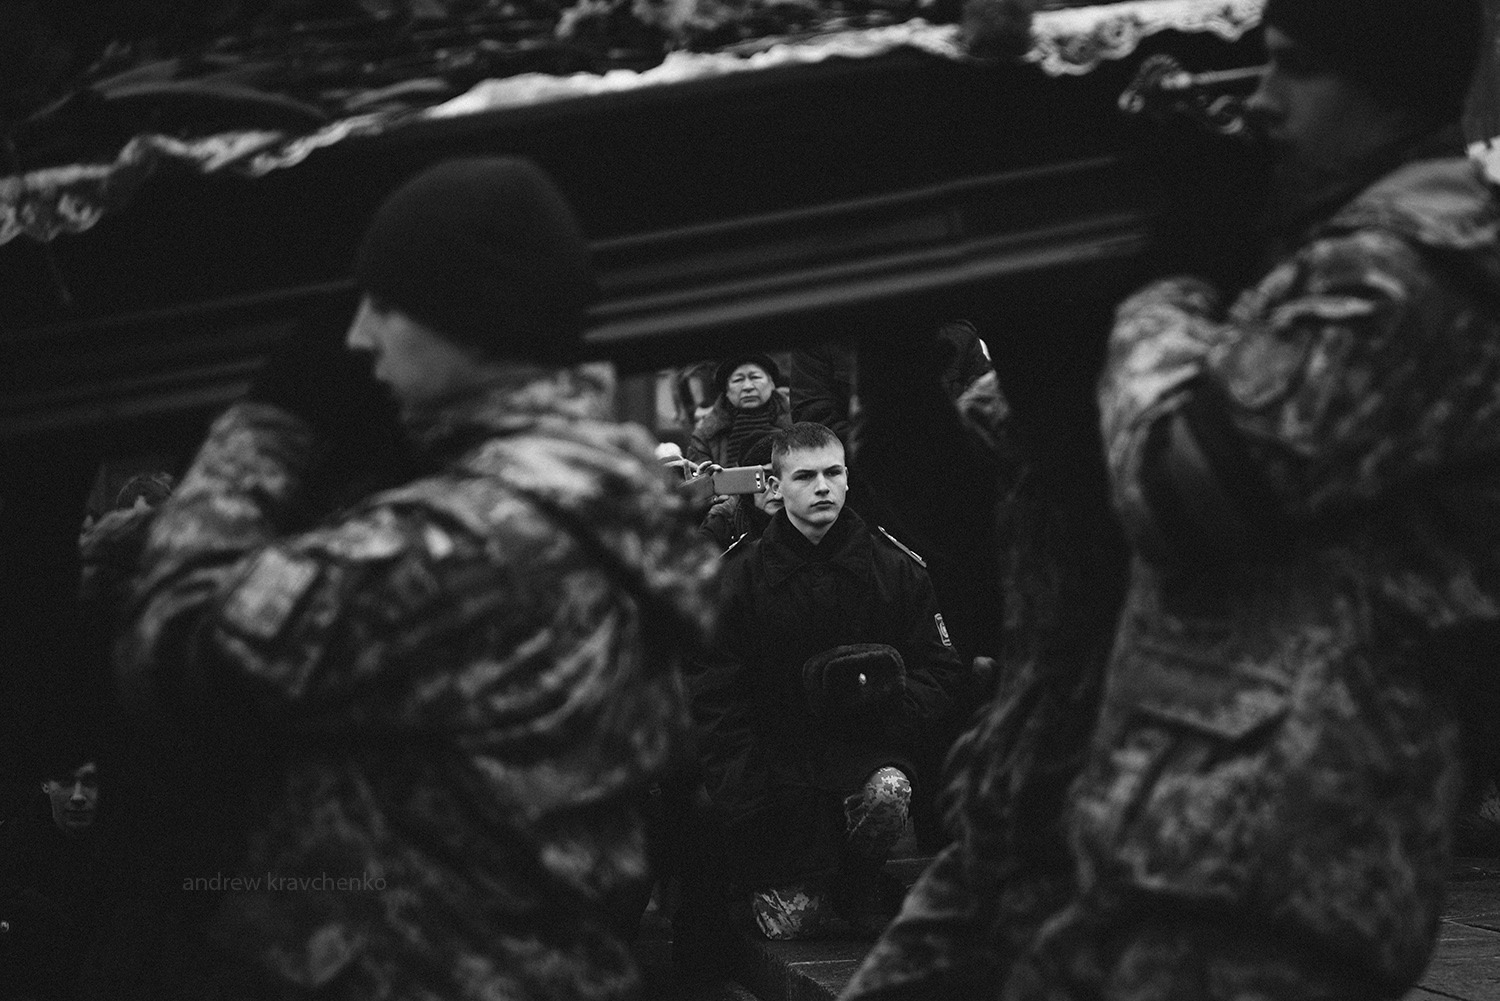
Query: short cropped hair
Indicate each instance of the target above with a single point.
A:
(802, 435)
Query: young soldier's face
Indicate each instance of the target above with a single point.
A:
(74, 798)
(1313, 114)
(418, 364)
(812, 486)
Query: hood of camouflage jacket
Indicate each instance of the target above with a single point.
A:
(546, 434)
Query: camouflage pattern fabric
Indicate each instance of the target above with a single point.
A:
(1277, 748)
(1309, 483)
(803, 909)
(471, 696)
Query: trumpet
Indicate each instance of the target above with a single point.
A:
(1163, 88)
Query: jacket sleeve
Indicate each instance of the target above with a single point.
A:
(935, 677)
(719, 523)
(1339, 376)
(726, 705)
(229, 615)
(699, 449)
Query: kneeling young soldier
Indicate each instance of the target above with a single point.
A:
(826, 704)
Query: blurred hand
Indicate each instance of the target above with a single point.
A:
(310, 373)
(698, 488)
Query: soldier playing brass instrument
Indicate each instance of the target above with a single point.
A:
(1309, 476)
(465, 683)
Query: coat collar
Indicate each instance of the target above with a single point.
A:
(785, 550)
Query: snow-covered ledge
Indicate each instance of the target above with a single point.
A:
(46, 203)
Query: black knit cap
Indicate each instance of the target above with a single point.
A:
(728, 365)
(1416, 54)
(487, 252)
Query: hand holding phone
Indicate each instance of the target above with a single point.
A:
(739, 480)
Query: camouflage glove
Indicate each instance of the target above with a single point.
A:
(854, 681)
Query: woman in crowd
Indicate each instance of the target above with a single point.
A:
(749, 406)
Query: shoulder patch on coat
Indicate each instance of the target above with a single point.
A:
(901, 546)
(937, 617)
(260, 605)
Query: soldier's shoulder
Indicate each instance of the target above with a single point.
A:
(891, 542)
(473, 504)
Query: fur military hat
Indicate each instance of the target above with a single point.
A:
(728, 365)
(1417, 54)
(487, 252)
(847, 682)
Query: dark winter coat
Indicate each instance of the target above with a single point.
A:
(58, 898)
(732, 519)
(772, 767)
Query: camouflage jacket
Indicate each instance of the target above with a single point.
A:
(471, 681)
(1311, 488)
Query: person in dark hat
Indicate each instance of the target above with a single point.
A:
(1264, 807)
(749, 406)
(455, 691)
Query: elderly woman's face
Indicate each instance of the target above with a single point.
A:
(749, 386)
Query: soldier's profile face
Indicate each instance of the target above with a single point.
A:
(1319, 117)
(418, 364)
(1315, 115)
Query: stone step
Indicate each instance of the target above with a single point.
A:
(815, 970)
(722, 990)
(1464, 967)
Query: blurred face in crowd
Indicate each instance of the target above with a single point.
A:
(749, 386)
(769, 499)
(74, 798)
(1315, 115)
(702, 391)
(419, 365)
(812, 483)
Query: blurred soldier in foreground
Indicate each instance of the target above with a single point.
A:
(461, 687)
(1309, 481)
